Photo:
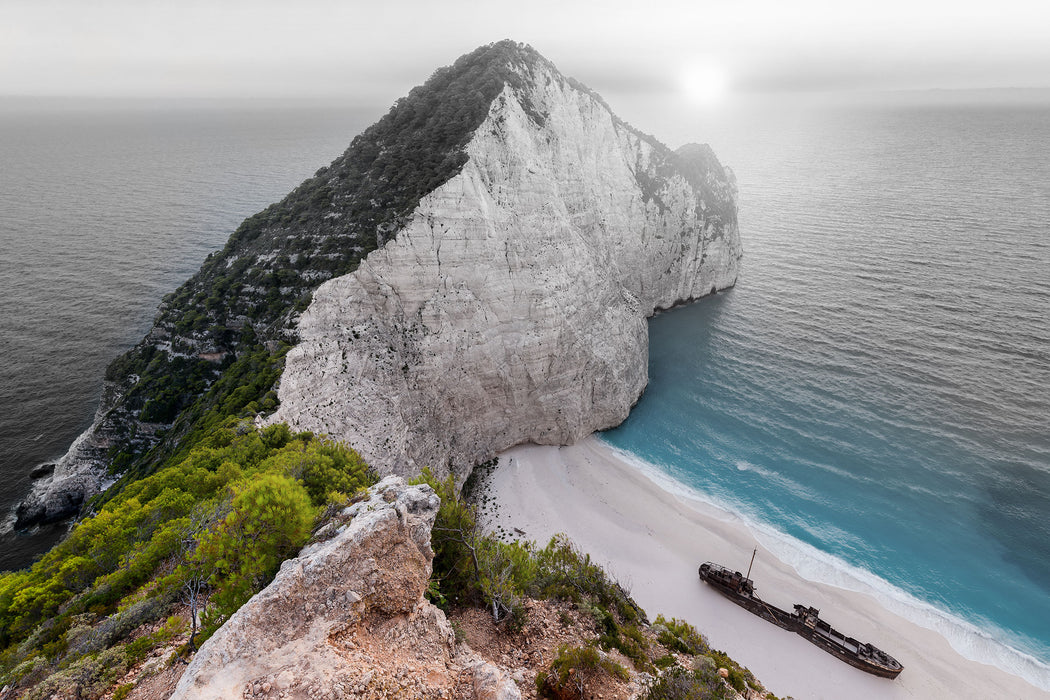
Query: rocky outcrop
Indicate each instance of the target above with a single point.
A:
(491, 682)
(505, 235)
(294, 637)
(62, 487)
(511, 305)
(60, 491)
(347, 618)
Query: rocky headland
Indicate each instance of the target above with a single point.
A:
(472, 273)
(511, 305)
(302, 634)
(475, 272)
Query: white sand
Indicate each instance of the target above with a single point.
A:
(653, 542)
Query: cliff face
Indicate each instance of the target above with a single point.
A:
(511, 305)
(215, 344)
(481, 261)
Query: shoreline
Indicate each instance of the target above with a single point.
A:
(652, 541)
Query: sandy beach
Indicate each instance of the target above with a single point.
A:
(653, 542)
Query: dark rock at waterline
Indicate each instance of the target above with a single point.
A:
(42, 470)
(62, 500)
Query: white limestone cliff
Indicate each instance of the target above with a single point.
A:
(511, 306)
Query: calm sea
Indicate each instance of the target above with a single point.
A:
(875, 393)
(103, 210)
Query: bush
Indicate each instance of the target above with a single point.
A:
(454, 541)
(117, 626)
(562, 571)
(680, 636)
(629, 640)
(739, 677)
(329, 471)
(676, 683)
(573, 669)
(88, 677)
(270, 519)
(473, 568)
(27, 673)
(665, 662)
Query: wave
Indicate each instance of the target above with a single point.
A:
(978, 641)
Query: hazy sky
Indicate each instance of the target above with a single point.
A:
(374, 51)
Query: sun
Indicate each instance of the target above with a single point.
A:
(704, 84)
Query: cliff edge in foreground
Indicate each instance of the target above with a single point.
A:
(348, 618)
(510, 306)
(297, 634)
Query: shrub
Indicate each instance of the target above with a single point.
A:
(116, 626)
(738, 677)
(454, 541)
(473, 568)
(269, 520)
(573, 669)
(680, 636)
(629, 640)
(326, 469)
(88, 677)
(477, 567)
(676, 683)
(138, 649)
(27, 673)
(664, 662)
(562, 571)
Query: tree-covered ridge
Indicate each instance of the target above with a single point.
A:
(207, 531)
(252, 291)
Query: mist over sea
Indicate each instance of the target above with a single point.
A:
(874, 394)
(877, 386)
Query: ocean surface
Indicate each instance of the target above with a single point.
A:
(874, 395)
(104, 209)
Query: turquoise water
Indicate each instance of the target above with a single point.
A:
(875, 392)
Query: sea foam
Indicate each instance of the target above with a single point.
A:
(984, 644)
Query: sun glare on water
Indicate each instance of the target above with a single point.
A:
(704, 84)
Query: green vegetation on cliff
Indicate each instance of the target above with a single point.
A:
(206, 530)
(473, 568)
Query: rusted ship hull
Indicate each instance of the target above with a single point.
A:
(749, 601)
(879, 669)
(805, 621)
